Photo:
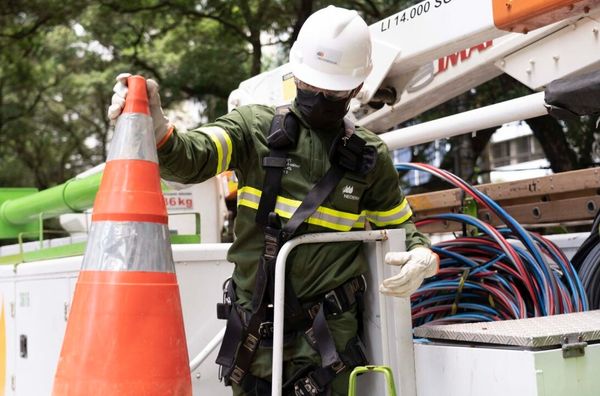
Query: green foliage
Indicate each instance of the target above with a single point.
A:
(58, 60)
(57, 67)
(45, 110)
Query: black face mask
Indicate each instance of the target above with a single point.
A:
(320, 112)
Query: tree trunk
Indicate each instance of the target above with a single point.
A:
(464, 161)
(552, 139)
(256, 55)
(303, 12)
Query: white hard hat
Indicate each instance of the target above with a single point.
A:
(333, 50)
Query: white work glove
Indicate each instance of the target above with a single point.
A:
(417, 264)
(159, 120)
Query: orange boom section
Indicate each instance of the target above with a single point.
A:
(525, 15)
(131, 343)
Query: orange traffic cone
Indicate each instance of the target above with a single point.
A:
(125, 332)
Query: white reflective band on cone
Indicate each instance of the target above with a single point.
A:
(131, 141)
(128, 246)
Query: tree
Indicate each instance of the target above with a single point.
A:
(58, 61)
(41, 132)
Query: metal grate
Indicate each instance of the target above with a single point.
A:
(532, 333)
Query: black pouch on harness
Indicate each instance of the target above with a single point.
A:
(351, 152)
(284, 131)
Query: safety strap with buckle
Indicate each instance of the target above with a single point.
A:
(340, 299)
(312, 381)
(334, 302)
(308, 380)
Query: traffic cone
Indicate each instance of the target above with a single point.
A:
(125, 333)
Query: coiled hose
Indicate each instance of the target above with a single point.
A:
(486, 277)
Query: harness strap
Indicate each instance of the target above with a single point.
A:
(293, 309)
(283, 135)
(274, 165)
(314, 382)
(308, 381)
(233, 331)
(324, 341)
(274, 239)
(340, 299)
(250, 338)
(313, 200)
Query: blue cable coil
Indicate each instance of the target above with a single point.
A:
(485, 277)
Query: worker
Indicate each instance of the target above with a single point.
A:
(301, 169)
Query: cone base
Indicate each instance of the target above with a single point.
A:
(125, 336)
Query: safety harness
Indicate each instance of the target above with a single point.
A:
(246, 330)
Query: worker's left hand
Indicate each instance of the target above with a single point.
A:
(417, 264)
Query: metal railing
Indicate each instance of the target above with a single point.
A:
(279, 298)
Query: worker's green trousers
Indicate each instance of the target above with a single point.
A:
(298, 353)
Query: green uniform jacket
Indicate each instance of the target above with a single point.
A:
(238, 141)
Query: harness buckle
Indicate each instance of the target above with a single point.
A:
(364, 283)
(271, 245)
(310, 337)
(250, 342)
(313, 311)
(237, 375)
(338, 367)
(272, 236)
(334, 304)
(307, 386)
(266, 330)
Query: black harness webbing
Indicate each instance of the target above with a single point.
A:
(313, 200)
(282, 137)
(233, 330)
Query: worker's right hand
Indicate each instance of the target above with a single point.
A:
(417, 264)
(160, 121)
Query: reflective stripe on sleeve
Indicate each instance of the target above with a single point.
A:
(223, 143)
(285, 207)
(394, 216)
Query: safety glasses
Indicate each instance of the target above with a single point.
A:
(329, 94)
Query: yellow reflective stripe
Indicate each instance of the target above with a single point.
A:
(343, 215)
(289, 202)
(248, 203)
(390, 212)
(321, 209)
(223, 144)
(248, 196)
(360, 223)
(394, 216)
(250, 191)
(327, 224)
(285, 207)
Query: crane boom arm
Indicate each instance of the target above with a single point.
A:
(406, 44)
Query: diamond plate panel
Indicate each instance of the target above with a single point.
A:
(531, 333)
